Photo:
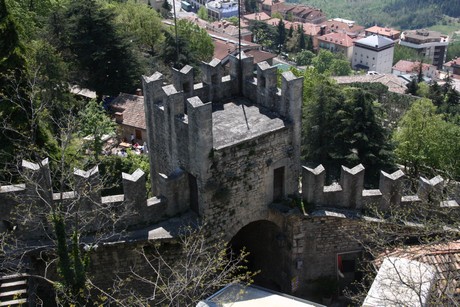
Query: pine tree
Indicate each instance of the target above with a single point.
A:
(412, 87)
(281, 35)
(103, 58)
(291, 32)
(302, 42)
(11, 49)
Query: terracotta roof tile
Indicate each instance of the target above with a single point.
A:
(132, 107)
(337, 39)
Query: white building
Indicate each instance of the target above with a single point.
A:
(373, 53)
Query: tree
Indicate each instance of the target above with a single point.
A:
(199, 40)
(143, 25)
(202, 13)
(340, 68)
(405, 53)
(453, 51)
(323, 60)
(340, 127)
(250, 6)
(165, 10)
(412, 87)
(11, 49)
(291, 31)
(304, 57)
(264, 34)
(302, 39)
(426, 143)
(201, 266)
(94, 124)
(103, 59)
(281, 35)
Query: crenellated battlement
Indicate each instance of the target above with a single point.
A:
(187, 121)
(28, 204)
(349, 192)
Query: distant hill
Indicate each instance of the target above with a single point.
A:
(402, 14)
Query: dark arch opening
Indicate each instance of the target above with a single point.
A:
(264, 241)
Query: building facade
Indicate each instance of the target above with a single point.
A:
(373, 53)
(431, 45)
(337, 43)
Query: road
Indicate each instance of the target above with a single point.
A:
(180, 13)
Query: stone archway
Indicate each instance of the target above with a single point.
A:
(264, 241)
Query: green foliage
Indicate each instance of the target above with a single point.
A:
(405, 53)
(112, 166)
(202, 13)
(277, 15)
(250, 6)
(332, 64)
(453, 51)
(401, 14)
(264, 34)
(102, 58)
(141, 23)
(412, 87)
(72, 264)
(340, 68)
(192, 45)
(233, 20)
(304, 57)
(94, 123)
(198, 40)
(281, 38)
(426, 143)
(11, 48)
(340, 127)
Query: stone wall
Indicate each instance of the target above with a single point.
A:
(350, 193)
(241, 180)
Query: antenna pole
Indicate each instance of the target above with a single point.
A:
(240, 65)
(175, 29)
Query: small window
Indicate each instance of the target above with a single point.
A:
(262, 82)
(186, 87)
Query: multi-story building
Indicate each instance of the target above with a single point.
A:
(430, 44)
(337, 43)
(340, 25)
(373, 53)
(219, 9)
(387, 32)
(298, 12)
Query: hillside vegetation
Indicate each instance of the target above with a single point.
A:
(402, 14)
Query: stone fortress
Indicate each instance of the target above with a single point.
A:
(227, 150)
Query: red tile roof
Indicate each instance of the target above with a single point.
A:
(341, 39)
(260, 56)
(408, 66)
(338, 26)
(257, 16)
(132, 107)
(445, 257)
(383, 31)
(222, 48)
(454, 62)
